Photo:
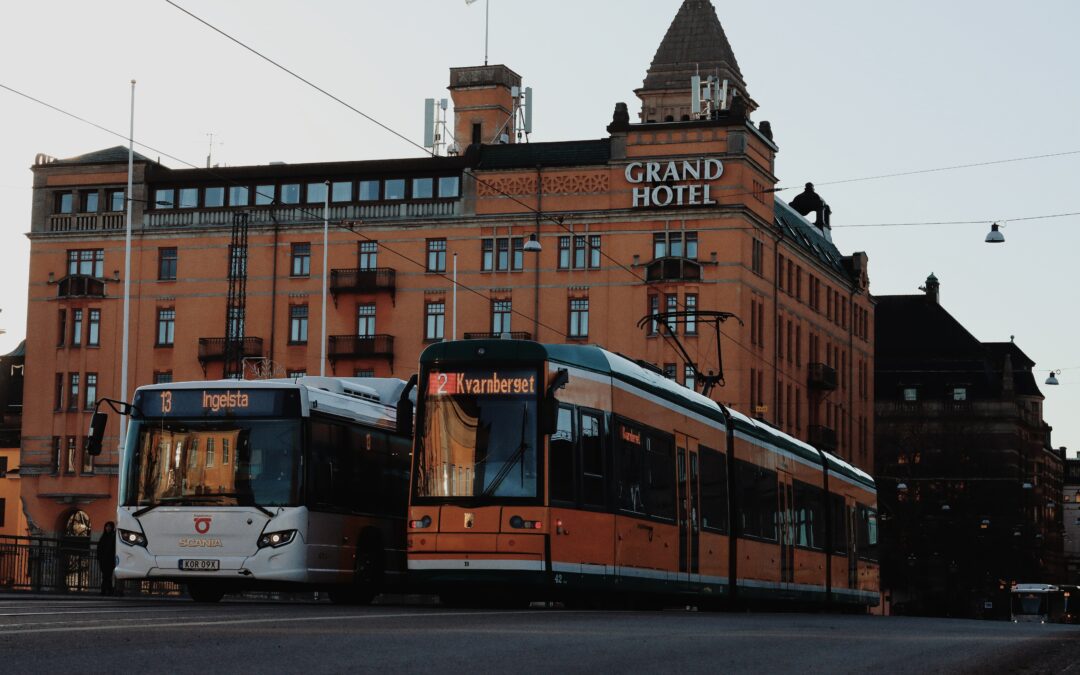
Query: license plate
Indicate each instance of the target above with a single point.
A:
(200, 565)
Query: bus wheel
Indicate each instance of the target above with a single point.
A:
(205, 592)
(367, 579)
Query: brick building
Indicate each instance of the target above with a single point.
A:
(672, 212)
(969, 486)
(1071, 519)
(12, 520)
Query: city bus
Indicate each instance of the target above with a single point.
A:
(1042, 603)
(571, 473)
(233, 485)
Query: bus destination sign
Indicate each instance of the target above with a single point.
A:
(481, 383)
(235, 402)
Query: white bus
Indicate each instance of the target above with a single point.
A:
(1042, 603)
(276, 484)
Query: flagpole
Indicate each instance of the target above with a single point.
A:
(487, 22)
(127, 276)
(325, 245)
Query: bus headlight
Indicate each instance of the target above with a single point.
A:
(132, 538)
(276, 539)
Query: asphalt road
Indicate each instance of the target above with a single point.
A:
(88, 635)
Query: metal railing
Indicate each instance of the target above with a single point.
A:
(515, 335)
(363, 280)
(821, 376)
(673, 269)
(299, 213)
(80, 286)
(213, 349)
(355, 346)
(822, 437)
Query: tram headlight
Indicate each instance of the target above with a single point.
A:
(276, 539)
(421, 524)
(132, 538)
(519, 523)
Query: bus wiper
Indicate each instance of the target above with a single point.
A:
(144, 510)
(512, 461)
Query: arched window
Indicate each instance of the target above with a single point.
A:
(78, 525)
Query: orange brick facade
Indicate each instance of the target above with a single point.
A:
(798, 309)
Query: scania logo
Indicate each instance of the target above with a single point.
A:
(202, 524)
(196, 542)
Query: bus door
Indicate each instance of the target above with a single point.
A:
(786, 525)
(689, 505)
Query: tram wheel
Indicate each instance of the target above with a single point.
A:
(203, 592)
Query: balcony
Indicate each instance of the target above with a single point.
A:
(304, 213)
(821, 377)
(80, 286)
(823, 438)
(363, 281)
(518, 335)
(213, 349)
(360, 347)
(86, 222)
(672, 269)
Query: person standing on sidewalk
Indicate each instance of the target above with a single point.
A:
(106, 556)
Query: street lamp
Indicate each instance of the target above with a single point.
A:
(995, 236)
(533, 245)
(1052, 380)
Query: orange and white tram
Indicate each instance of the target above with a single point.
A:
(568, 472)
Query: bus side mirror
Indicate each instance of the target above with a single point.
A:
(97, 433)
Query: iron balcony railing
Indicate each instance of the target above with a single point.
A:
(213, 349)
(372, 280)
(517, 335)
(360, 346)
(823, 438)
(822, 377)
(673, 269)
(80, 286)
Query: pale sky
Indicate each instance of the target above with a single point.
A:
(852, 88)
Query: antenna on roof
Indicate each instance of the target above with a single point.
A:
(520, 121)
(435, 127)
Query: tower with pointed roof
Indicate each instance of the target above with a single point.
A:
(695, 44)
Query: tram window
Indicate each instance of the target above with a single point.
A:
(866, 532)
(592, 461)
(714, 496)
(809, 515)
(660, 464)
(837, 513)
(561, 458)
(757, 501)
(629, 457)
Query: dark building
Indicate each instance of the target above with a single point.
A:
(11, 396)
(1071, 508)
(969, 487)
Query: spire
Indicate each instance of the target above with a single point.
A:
(695, 43)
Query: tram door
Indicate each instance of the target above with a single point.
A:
(852, 548)
(689, 504)
(785, 522)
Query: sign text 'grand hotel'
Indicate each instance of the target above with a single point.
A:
(661, 175)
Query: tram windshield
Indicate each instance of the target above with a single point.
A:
(478, 438)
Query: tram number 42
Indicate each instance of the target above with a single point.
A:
(559, 579)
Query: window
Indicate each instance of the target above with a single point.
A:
(214, 197)
(164, 199)
(87, 262)
(73, 391)
(57, 454)
(365, 320)
(264, 194)
(3, 473)
(691, 318)
(87, 461)
(809, 515)
(239, 195)
(579, 252)
(689, 377)
(316, 194)
(561, 457)
(564, 253)
(669, 371)
(487, 255)
(189, 198)
(645, 472)
(234, 322)
(301, 260)
(166, 264)
(166, 327)
(88, 202)
(959, 393)
(290, 193)
(502, 254)
(434, 320)
(436, 255)
(423, 188)
(61, 326)
(500, 317)
(593, 491)
(757, 501)
(298, 324)
(76, 327)
(69, 462)
(395, 189)
(91, 391)
(594, 251)
(672, 305)
(63, 202)
(659, 245)
(839, 521)
(449, 186)
(163, 377)
(714, 495)
(369, 190)
(116, 200)
(369, 255)
(579, 317)
(675, 244)
(341, 191)
(911, 394)
(210, 454)
(237, 261)
(654, 309)
(58, 392)
(224, 451)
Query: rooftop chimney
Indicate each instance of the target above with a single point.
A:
(932, 289)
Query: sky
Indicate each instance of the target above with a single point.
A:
(853, 89)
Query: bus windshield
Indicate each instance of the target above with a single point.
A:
(1029, 604)
(479, 435)
(208, 462)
